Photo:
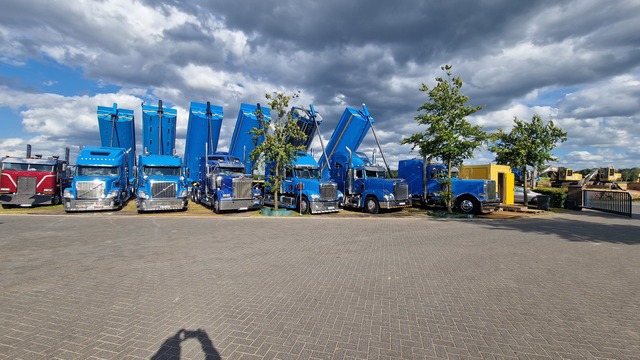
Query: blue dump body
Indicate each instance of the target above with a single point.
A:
(308, 121)
(425, 186)
(303, 188)
(242, 143)
(158, 130)
(203, 132)
(160, 184)
(104, 176)
(365, 185)
(117, 129)
(351, 130)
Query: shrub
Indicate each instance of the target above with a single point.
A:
(558, 195)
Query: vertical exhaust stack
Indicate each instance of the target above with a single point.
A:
(28, 151)
(66, 154)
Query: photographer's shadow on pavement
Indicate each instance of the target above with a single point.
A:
(171, 347)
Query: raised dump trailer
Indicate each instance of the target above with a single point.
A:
(242, 141)
(365, 185)
(28, 180)
(304, 189)
(160, 183)
(104, 176)
(217, 180)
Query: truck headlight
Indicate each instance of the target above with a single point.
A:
(67, 194)
(315, 197)
(142, 194)
(184, 193)
(113, 194)
(389, 197)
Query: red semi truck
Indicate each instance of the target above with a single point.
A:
(28, 181)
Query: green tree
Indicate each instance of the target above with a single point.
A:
(276, 151)
(448, 136)
(528, 144)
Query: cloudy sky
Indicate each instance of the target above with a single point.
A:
(574, 62)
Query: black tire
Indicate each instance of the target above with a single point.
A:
(304, 207)
(371, 205)
(216, 205)
(56, 200)
(468, 204)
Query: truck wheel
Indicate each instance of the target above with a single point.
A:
(56, 200)
(371, 205)
(468, 205)
(216, 205)
(303, 206)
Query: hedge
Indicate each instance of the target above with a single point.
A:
(558, 195)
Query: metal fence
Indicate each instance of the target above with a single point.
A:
(617, 202)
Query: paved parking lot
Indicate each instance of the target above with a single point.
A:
(103, 286)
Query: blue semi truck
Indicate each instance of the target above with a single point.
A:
(303, 188)
(426, 187)
(365, 185)
(104, 176)
(218, 180)
(160, 184)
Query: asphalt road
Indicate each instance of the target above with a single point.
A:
(106, 286)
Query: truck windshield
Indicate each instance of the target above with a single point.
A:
(231, 171)
(307, 173)
(96, 170)
(376, 173)
(14, 166)
(40, 167)
(161, 171)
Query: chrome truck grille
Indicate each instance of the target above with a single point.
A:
(163, 190)
(492, 191)
(328, 191)
(242, 188)
(90, 189)
(401, 191)
(26, 185)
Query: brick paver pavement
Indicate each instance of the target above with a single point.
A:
(122, 287)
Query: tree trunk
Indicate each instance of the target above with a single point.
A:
(449, 190)
(275, 193)
(524, 186)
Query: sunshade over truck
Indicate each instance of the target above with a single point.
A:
(103, 177)
(218, 180)
(160, 183)
(365, 185)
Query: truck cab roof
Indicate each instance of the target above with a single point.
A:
(159, 160)
(101, 156)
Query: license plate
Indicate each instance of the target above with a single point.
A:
(243, 208)
(331, 207)
(401, 204)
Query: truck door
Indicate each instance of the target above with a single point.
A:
(434, 182)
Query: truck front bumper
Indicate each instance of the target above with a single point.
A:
(321, 207)
(395, 204)
(90, 204)
(162, 204)
(242, 204)
(489, 206)
(25, 199)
